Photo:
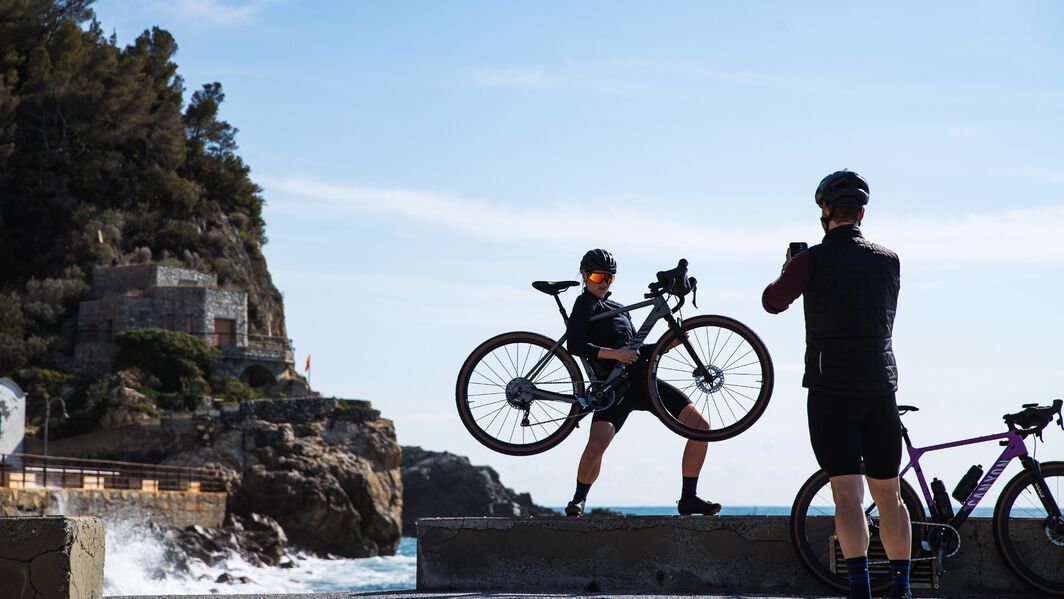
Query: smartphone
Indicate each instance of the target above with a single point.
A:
(796, 247)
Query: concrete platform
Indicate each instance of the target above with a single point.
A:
(728, 556)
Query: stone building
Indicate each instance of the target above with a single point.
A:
(125, 298)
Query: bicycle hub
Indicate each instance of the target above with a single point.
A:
(711, 383)
(519, 393)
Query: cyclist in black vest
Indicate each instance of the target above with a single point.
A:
(850, 287)
(605, 343)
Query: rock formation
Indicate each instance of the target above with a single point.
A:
(437, 484)
(329, 477)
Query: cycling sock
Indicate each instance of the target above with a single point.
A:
(857, 568)
(581, 492)
(690, 486)
(899, 581)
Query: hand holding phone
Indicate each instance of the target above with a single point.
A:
(796, 248)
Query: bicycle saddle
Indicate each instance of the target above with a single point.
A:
(554, 287)
(907, 409)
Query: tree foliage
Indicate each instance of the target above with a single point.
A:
(177, 360)
(100, 164)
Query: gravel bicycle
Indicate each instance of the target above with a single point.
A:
(1027, 523)
(522, 393)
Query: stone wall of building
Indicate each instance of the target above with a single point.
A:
(308, 409)
(119, 280)
(168, 508)
(173, 276)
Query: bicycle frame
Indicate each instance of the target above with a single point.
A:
(661, 310)
(1014, 448)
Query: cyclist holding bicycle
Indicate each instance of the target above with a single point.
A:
(850, 288)
(605, 343)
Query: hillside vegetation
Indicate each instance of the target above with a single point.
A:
(105, 160)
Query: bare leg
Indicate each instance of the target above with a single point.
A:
(895, 529)
(850, 523)
(694, 453)
(591, 460)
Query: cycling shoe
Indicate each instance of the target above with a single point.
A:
(693, 505)
(575, 508)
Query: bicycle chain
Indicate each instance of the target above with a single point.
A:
(956, 535)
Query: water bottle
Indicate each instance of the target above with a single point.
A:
(967, 483)
(943, 508)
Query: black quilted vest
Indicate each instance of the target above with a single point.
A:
(849, 316)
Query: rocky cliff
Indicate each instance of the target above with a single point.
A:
(326, 470)
(438, 484)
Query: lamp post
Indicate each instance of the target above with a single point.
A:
(47, 417)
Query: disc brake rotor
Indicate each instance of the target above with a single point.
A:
(710, 384)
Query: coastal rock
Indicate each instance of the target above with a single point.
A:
(440, 484)
(333, 485)
(257, 538)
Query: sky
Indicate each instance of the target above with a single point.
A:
(423, 162)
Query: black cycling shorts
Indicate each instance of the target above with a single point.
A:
(847, 430)
(637, 398)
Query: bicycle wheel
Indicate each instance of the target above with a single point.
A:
(490, 402)
(813, 534)
(1028, 537)
(725, 404)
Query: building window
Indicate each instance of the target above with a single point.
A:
(224, 332)
(92, 333)
(170, 322)
(110, 331)
(188, 325)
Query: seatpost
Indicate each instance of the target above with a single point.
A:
(561, 308)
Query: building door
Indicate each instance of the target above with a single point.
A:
(224, 332)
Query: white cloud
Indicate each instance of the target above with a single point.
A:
(1018, 236)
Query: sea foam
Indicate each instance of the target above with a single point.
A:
(137, 563)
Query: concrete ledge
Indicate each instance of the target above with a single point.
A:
(53, 557)
(658, 554)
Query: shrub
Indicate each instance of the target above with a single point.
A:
(170, 356)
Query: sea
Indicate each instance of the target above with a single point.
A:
(136, 564)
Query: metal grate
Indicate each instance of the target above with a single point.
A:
(922, 575)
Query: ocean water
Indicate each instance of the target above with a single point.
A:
(136, 564)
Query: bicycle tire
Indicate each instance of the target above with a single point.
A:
(730, 403)
(492, 418)
(1030, 543)
(812, 527)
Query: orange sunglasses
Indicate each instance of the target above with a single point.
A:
(600, 277)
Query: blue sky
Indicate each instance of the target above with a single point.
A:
(422, 162)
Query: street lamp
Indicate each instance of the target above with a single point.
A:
(48, 416)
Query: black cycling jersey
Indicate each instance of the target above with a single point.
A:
(585, 337)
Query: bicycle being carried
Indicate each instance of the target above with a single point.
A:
(1027, 523)
(522, 393)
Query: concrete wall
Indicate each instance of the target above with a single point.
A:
(659, 554)
(169, 508)
(12, 417)
(51, 558)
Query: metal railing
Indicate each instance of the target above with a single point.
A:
(20, 470)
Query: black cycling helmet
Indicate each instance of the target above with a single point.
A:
(598, 260)
(842, 188)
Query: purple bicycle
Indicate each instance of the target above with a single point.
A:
(1027, 522)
